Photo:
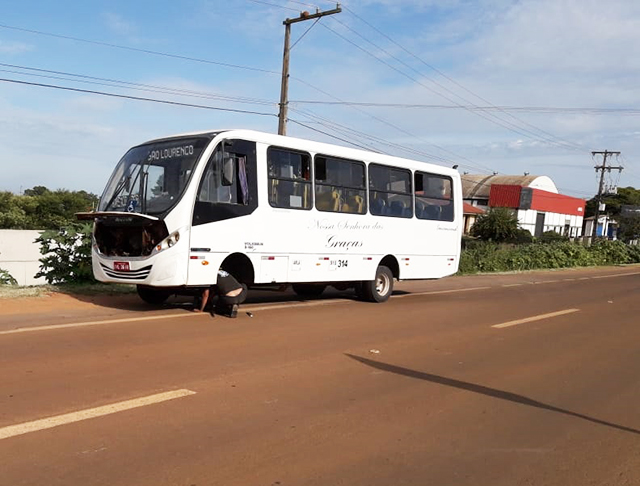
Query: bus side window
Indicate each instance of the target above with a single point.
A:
(340, 185)
(434, 197)
(228, 186)
(390, 190)
(289, 178)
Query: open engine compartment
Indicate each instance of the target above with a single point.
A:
(128, 236)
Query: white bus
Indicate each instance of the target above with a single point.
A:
(273, 210)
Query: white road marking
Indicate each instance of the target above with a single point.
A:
(616, 275)
(434, 292)
(95, 323)
(68, 418)
(535, 318)
(255, 307)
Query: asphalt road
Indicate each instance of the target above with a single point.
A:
(506, 380)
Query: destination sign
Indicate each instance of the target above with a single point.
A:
(170, 153)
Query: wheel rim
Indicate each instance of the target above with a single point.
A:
(382, 284)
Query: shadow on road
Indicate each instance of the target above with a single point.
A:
(131, 302)
(483, 390)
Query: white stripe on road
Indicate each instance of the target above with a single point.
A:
(285, 305)
(95, 323)
(68, 418)
(434, 292)
(535, 318)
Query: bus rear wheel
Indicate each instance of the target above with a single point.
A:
(308, 290)
(152, 295)
(380, 289)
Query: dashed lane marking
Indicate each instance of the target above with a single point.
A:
(535, 318)
(69, 418)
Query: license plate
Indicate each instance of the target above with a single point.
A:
(121, 266)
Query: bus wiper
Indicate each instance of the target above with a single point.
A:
(116, 192)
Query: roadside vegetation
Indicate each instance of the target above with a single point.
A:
(498, 245)
(39, 208)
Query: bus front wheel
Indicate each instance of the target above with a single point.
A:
(151, 295)
(308, 290)
(380, 289)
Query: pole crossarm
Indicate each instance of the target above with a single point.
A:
(307, 16)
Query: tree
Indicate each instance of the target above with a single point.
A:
(40, 208)
(625, 196)
(497, 224)
(629, 226)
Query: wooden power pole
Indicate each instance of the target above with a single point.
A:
(284, 88)
(602, 168)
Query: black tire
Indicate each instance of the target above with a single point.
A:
(380, 289)
(308, 290)
(152, 295)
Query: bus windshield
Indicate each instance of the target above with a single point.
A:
(150, 179)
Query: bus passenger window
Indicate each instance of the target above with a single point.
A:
(289, 178)
(434, 199)
(390, 190)
(340, 185)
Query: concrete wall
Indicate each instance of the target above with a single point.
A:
(19, 255)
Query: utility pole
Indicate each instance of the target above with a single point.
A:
(602, 168)
(284, 88)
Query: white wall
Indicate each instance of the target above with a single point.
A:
(19, 255)
(552, 222)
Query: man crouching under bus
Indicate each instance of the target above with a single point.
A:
(230, 292)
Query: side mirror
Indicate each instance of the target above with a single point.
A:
(228, 171)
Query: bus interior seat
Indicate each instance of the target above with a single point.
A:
(446, 212)
(432, 212)
(378, 206)
(355, 204)
(328, 201)
(397, 208)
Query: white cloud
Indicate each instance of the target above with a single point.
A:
(14, 47)
(119, 24)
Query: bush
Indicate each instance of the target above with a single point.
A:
(67, 254)
(497, 224)
(494, 257)
(552, 236)
(6, 278)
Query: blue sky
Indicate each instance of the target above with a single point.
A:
(478, 66)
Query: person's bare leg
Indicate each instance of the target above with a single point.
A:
(204, 300)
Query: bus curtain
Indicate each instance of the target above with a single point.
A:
(242, 176)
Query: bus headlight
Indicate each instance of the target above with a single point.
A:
(168, 242)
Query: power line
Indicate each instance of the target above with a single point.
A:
(273, 5)
(136, 98)
(491, 118)
(327, 134)
(82, 78)
(453, 80)
(135, 49)
(305, 33)
(522, 109)
(146, 51)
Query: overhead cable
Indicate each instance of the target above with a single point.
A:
(136, 98)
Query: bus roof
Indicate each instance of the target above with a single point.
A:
(318, 147)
